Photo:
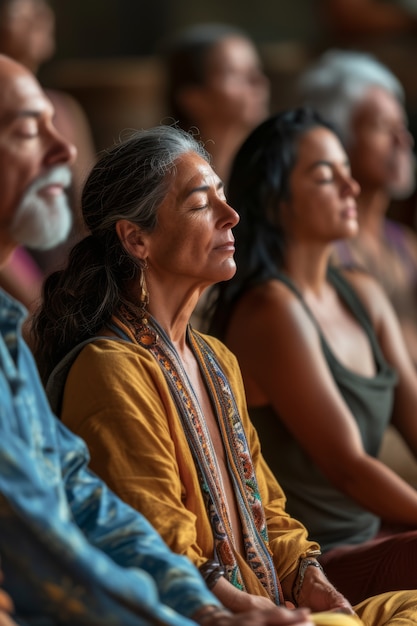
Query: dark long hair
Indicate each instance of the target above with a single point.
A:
(129, 181)
(258, 183)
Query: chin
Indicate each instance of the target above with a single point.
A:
(352, 232)
(228, 275)
(42, 224)
(47, 233)
(402, 190)
(349, 232)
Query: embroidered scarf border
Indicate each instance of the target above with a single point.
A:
(244, 481)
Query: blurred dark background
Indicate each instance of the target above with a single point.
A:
(102, 28)
(106, 52)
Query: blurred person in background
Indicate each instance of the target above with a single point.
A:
(27, 34)
(6, 607)
(216, 86)
(365, 102)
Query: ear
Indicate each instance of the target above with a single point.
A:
(133, 239)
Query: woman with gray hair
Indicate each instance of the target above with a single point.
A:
(365, 101)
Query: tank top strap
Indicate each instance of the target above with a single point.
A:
(284, 278)
(345, 289)
(349, 296)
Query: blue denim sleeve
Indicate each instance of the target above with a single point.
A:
(50, 568)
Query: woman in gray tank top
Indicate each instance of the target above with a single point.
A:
(324, 362)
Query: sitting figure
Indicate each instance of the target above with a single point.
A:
(322, 355)
(365, 102)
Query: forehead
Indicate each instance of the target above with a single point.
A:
(378, 102)
(233, 50)
(319, 143)
(191, 175)
(191, 169)
(21, 94)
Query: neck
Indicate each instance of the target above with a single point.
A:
(307, 266)
(372, 208)
(172, 309)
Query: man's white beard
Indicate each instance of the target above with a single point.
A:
(43, 223)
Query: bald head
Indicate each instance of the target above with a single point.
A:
(15, 82)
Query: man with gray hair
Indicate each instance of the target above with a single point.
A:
(365, 102)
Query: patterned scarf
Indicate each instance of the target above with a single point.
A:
(255, 535)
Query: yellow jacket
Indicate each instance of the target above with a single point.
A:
(116, 398)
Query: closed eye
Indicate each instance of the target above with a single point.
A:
(324, 181)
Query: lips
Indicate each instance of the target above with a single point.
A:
(51, 190)
(228, 245)
(350, 212)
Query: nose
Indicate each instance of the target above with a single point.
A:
(351, 186)
(228, 216)
(59, 150)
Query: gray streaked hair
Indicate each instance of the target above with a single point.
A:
(130, 179)
(338, 80)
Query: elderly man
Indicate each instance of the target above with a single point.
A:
(365, 102)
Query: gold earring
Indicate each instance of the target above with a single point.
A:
(146, 336)
(136, 319)
(144, 293)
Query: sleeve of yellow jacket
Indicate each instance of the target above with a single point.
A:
(117, 400)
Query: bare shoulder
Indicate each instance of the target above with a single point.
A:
(410, 239)
(270, 295)
(368, 289)
(270, 306)
(360, 279)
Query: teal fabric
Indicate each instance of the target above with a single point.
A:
(332, 518)
(71, 551)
